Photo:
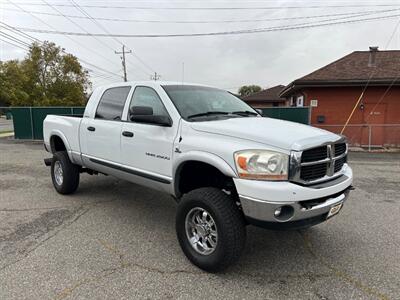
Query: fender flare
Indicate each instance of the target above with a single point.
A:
(200, 156)
(59, 134)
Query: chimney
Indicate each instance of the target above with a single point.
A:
(372, 55)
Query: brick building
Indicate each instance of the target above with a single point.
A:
(333, 91)
(266, 98)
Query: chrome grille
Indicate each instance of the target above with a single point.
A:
(318, 164)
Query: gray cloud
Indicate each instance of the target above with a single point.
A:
(266, 59)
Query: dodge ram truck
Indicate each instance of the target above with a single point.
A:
(224, 164)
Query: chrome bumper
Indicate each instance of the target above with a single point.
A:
(264, 211)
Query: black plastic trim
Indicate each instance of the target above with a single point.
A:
(291, 225)
(133, 172)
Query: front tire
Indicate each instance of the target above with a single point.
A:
(64, 174)
(210, 228)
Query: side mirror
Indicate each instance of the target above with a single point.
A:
(259, 111)
(144, 114)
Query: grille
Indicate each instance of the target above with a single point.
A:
(314, 154)
(339, 164)
(311, 169)
(313, 172)
(340, 149)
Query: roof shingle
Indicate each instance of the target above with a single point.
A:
(267, 95)
(354, 69)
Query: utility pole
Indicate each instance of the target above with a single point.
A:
(155, 77)
(123, 60)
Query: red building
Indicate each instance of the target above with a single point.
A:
(369, 78)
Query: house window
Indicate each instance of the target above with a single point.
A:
(293, 101)
(274, 104)
(314, 103)
(300, 101)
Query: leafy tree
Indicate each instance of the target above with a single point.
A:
(12, 81)
(46, 77)
(248, 90)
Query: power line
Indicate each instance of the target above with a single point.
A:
(220, 8)
(369, 80)
(14, 39)
(76, 24)
(233, 32)
(70, 38)
(15, 45)
(143, 63)
(207, 21)
(98, 24)
(19, 32)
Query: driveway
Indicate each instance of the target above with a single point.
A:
(116, 240)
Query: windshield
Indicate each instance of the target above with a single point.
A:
(194, 102)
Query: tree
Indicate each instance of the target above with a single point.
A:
(46, 77)
(248, 90)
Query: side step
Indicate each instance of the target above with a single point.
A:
(48, 161)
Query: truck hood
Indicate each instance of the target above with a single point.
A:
(278, 133)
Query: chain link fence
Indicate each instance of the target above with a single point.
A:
(368, 136)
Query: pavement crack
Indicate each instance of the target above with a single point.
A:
(121, 266)
(273, 279)
(54, 231)
(339, 273)
(33, 209)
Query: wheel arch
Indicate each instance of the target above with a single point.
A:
(59, 142)
(195, 160)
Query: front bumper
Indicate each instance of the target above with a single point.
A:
(304, 205)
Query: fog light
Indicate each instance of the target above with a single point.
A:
(284, 213)
(278, 211)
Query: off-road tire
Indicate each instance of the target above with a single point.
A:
(70, 172)
(230, 225)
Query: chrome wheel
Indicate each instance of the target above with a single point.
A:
(58, 173)
(201, 231)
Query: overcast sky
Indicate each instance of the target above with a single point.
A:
(228, 61)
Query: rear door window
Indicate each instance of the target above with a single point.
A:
(112, 103)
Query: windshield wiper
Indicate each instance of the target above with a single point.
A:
(244, 113)
(209, 113)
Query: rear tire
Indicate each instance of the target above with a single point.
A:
(210, 228)
(64, 174)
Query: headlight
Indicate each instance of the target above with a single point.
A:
(262, 165)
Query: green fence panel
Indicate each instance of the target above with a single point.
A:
(40, 113)
(28, 121)
(294, 114)
(22, 120)
(78, 111)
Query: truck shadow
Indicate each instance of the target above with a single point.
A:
(267, 252)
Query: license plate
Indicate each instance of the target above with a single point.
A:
(335, 209)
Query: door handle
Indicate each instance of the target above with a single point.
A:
(91, 128)
(127, 133)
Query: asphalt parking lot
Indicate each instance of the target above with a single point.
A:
(115, 240)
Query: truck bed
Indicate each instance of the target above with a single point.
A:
(66, 127)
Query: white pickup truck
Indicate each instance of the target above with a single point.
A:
(225, 165)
